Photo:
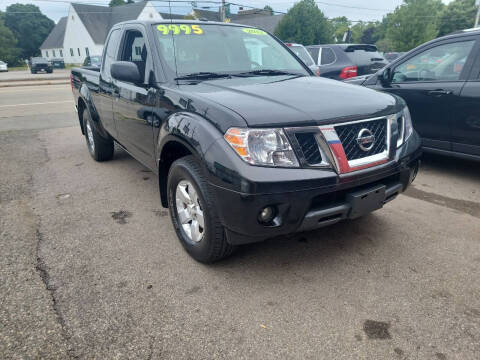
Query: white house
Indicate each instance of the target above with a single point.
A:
(83, 32)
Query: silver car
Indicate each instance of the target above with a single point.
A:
(3, 66)
(304, 55)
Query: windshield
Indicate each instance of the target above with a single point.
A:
(303, 54)
(207, 48)
(2, 63)
(96, 59)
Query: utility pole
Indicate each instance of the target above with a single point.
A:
(477, 3)
(222, 12)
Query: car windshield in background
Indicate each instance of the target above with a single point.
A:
(207, 51)
(96, 60)
(39, 60)
(2, 63)
(303, 54)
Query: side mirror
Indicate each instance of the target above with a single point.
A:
(385, 76)
(125, 71)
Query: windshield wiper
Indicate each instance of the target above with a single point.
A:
(203, 76)
(267, 72)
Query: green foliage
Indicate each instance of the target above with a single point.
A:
(306, 24)
(413, 23)
(340, 27)
(113, 3)
(269, 8)
(458, 15)
(8, 51)
(29, 26)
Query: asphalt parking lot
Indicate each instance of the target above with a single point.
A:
(91, 267)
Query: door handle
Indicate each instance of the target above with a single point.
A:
(439, 92)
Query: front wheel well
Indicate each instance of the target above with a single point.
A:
(171, 152)
(80, 109)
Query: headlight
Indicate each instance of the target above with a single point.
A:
(405, 127)
(267, 147)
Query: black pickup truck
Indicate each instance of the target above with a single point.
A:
(247, 143)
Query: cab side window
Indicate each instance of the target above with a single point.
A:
(328, 56)
(135, 50)
(440, 63)
(110, 53)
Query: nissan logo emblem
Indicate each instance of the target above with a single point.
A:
(365, 139)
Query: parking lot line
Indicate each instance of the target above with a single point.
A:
(44, 103)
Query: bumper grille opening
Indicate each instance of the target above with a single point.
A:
(331, 199)
(348, 135)
(309, 146)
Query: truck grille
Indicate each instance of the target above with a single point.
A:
(349, 133)
(309, 146)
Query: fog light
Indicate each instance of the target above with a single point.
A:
(267, 214)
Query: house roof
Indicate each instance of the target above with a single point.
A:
(98, 20)
(267, 23)
(55, 39)
(207, 14)
(169, 16)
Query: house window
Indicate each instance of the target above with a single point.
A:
(138, 50)
(87, 52)
(71, 52)
(78, 50)
(61, 53)
(53, 51)
(46, 53)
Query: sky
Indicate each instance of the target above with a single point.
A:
(366, 10)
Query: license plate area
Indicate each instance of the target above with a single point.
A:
(365, 201)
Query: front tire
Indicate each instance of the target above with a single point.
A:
(193, 213)
(100, 149)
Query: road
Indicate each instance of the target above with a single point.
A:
(91, 267)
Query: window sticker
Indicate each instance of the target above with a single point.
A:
(254, 31)
(177, 29)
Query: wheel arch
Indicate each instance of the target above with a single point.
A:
(173, 148)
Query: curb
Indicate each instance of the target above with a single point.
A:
(37, 79)
(35, 83)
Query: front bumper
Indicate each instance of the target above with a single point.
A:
(305, 204)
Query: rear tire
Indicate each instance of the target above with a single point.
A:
(100, 149)
(186, 180)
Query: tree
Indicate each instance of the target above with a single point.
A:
(268, 8)
(458, 15)
(413, 23)
(8, 51)
(340, 26)
(119, 2)
(305, 23)
(29, 26)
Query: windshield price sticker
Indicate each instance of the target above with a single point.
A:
(180, 29)
(254, 31)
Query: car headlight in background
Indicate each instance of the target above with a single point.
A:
(266, 147)
(405, 127)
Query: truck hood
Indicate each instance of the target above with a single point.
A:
(286, 101)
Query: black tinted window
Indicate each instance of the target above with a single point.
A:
(110, 52)
(328, 56)
(135, 50)
(362, 57)
(314, 53)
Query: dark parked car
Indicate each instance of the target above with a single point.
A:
(440, 81)
(93, 61)
(343, 61)
(246, 143)
(40, 64)
(304, 55)
(58, 63)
